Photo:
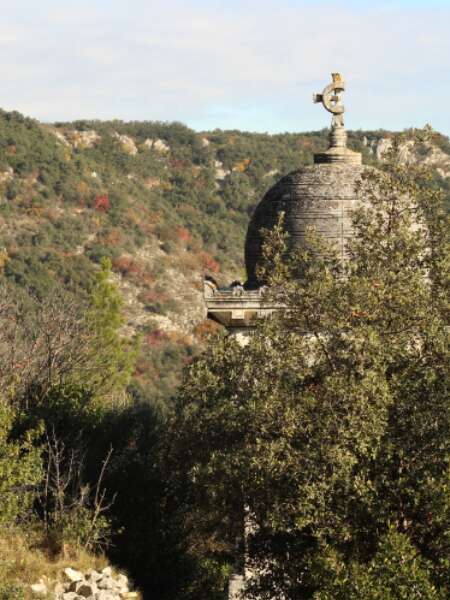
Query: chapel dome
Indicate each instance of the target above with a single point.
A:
(320, 195)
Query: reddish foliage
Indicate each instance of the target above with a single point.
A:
(102, 203)
(205, 329)
(178, 163)
(209, 263)
(125, 265)
(148, 278)
(113, 238)
(155, 338)
(242, 165)
(183, 234)
(150, 297)
(359, 314)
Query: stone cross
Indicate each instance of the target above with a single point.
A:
(331, 98)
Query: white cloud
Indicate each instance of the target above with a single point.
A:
(251, 64)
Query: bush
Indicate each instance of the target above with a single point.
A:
(20, 471)
(11, 592)
(397, 572)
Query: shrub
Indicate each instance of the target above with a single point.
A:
(20, 471)
(102, 203)
(126, 266)
(11, 592)
(209, 263)
(397, 572)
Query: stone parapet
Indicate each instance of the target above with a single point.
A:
(235, 307)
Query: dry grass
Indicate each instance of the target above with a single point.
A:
(25, 558)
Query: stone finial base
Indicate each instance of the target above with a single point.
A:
(338, 151)
(338, 155)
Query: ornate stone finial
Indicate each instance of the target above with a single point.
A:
(331, 98)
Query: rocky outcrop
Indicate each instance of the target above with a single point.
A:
(158, 145)
(127, 143)
(410, 153)
(82, 139)
(92, 585)
(221, 173)
(6, 175)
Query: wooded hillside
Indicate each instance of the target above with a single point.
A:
(163, 203)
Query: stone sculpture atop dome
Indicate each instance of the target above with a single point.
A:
(331, 98)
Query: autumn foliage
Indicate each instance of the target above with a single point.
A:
(183, 234)
(125, 265)
(102, 203)
(208, 262)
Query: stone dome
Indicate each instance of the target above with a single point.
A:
(321, 195)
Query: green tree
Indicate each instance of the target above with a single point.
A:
(333, 425)
(111, 356)
(20, 471)
(65, 343)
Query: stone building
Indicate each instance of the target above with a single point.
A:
(321, 195)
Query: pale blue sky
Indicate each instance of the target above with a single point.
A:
(249, 64)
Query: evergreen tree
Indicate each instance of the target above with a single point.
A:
(110, 357)
(330, 430)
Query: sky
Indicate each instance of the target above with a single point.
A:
(235, 64)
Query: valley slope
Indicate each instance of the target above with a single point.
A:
(166, 205)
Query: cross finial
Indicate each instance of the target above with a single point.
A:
(331, 98)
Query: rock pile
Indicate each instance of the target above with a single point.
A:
(93, 585)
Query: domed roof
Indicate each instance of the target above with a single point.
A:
(320, 195)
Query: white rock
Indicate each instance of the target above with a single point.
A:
(7, 175)
(128, 144)
(122, 583)
(60, 136)
(221, 173)
(105, 595)
(158, 145)
(83, 139)
(161, 146)
(107, 571)
(272, 173)
(59, 588)
(105, 583)
(39, 589)
(73, 575)
(93, 575)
